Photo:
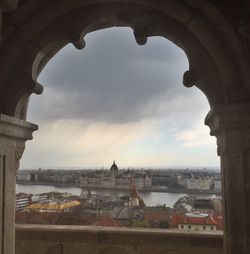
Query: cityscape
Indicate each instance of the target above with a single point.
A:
(198, 205)
(168, 180)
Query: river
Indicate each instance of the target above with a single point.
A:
(150, 198)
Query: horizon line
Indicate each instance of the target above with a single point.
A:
(121, 167)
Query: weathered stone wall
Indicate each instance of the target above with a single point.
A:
(100, 240)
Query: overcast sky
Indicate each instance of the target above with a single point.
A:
(117, 100)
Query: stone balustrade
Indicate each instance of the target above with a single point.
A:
(47, 239)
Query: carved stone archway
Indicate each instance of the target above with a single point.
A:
(218, 59)
(38, 30)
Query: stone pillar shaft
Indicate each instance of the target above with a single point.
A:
(13, 134)
(231, 125)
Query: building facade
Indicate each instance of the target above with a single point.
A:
(115, 178)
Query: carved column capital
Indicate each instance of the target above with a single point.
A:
(228, 117)
(13, 134)
(15, 128)
(231, 125)
(19, 149)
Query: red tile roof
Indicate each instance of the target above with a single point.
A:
(210, 219)
(156, 215)
(107, 221)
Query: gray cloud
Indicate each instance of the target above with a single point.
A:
(112, 80)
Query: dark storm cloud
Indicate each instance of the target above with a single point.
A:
(111, 80)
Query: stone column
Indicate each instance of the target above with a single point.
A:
(231, 125)
(13, 134)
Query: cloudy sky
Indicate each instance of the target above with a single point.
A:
(117, 100)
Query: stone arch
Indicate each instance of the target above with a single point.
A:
(38, 30)
(218, 66)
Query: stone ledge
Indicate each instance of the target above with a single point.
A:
(16, 128)
(118, 236)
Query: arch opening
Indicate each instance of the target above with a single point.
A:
(133, 98)
(153, 67)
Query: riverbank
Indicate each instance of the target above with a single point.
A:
(150, 198)
(159, 189)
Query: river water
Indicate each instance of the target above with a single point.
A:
(150, 198)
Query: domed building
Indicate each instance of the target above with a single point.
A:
(114, 169)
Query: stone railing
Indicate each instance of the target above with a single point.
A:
(49, 239)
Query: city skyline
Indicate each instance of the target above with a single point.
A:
(134, 107)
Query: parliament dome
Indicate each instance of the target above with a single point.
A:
(114, 167)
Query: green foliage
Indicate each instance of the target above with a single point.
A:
(140, 224)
